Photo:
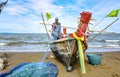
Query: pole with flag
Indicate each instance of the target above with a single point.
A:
(48, 16)
(113, 13)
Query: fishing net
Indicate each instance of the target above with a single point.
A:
(35, 69)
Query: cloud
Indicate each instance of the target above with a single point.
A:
(16, 9)
(26, 13)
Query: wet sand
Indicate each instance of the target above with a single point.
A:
(110, 66)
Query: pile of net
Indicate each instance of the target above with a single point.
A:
(34, 69)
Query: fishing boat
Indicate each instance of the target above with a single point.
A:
(73, 47)
(66, 49)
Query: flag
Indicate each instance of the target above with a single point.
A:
(48, 16)
(113, 13)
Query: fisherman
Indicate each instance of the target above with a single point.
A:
(56, 29)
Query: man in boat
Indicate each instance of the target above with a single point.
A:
(56, 29)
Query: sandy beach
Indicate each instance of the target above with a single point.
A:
(110, 66)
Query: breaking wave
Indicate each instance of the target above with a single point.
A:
(21, 43)
(112, 41)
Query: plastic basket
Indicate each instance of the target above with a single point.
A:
(94, 59)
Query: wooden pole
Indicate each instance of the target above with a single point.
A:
(46, 53)
(61, 26)
(45, 25)
(90, 30)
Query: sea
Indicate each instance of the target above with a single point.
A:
(39, 42)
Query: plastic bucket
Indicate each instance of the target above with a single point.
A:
(94, 59)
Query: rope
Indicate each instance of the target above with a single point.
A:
(78, 38)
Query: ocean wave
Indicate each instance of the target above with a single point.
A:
(38, 42)
(105, 46)
(107, 41)
(12, 43)
(95, 46)
(113, 46)
(2, 44)
(21, 43)
(100, 40)
(112, 40)
(15, 43)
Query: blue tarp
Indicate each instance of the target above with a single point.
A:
(34, 69)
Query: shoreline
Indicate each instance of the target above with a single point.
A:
(108, 68)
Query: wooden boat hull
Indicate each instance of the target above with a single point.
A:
(65, 50)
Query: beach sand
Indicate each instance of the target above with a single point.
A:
(110, 66)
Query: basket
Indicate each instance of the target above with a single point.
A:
(94, 59)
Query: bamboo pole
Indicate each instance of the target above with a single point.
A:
(104, 29)
(90, 30)
(46, 53)
(61, 26)
(45, 25)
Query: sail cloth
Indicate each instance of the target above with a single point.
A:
(34, 69)
(2, 5)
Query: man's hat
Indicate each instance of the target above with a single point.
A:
(56, 18)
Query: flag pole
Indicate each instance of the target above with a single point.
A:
(45, 25)
(46, 53)
(113, 13)
(104, 29)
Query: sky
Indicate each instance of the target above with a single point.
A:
(24, 16)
